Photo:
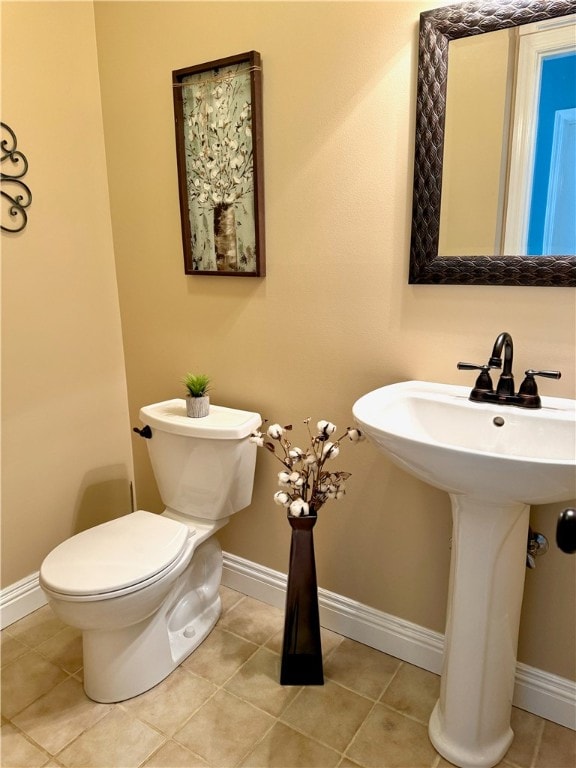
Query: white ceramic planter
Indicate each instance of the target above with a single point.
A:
(197, 407)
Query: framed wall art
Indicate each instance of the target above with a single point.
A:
(218, 115)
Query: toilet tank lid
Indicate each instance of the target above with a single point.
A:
(220, 424)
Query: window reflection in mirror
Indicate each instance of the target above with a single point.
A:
(509, 165)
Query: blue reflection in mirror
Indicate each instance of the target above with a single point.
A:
(552, 225)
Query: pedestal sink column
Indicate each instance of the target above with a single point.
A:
(470, 725)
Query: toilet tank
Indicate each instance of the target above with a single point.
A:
(204, 467)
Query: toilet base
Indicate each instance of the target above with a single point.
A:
(123, 663)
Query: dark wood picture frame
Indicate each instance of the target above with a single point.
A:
(219, 146)
(437, 28)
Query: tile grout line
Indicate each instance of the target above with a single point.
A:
(218, 687)
(369, 713)
(277, 718)
(345, 753)
(30, 741)
(538, 744)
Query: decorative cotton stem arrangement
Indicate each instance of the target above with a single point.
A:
(306, 484)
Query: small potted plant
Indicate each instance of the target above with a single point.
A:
(197, 399)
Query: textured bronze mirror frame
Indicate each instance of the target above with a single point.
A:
(437, 28)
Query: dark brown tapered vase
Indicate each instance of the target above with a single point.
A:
(302, 647)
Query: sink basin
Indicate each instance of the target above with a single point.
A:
(494, 461)
(484, 450)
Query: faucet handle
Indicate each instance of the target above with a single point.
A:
(546, 374)
(483, 382)
(529, 388)
(472, 367)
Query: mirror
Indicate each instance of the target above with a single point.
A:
(430, 260)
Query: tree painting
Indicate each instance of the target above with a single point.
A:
(216, 135)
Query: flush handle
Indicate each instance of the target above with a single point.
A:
(144, 432)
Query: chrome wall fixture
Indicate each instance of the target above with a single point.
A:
(16, 195)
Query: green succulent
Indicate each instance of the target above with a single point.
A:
(197, 384)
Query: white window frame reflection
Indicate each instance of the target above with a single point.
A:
(537, 41)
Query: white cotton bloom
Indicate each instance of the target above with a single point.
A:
(296, 454)
(257, 438)
(295, 479)
(282, 499)
(326, 427)
(355, 435)
(299, 507)
(310, 459)
(283, 478)
(275, 431)
(330, 450)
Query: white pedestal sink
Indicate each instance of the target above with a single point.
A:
(494, 461)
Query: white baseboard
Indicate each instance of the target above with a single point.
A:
(399, 638)
(536, 691)
(546, 695)
(20, 599)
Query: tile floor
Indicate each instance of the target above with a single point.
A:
(224, 707)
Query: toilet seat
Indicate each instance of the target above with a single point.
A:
(116, 558)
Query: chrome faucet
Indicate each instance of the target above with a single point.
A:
(483, 391)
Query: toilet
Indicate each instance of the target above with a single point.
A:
(143, 588)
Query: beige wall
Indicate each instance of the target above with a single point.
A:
(335, 316)
(66, 447)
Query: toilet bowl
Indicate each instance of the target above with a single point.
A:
(143, 588)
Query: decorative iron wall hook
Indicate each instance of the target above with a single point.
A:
(16, 196)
